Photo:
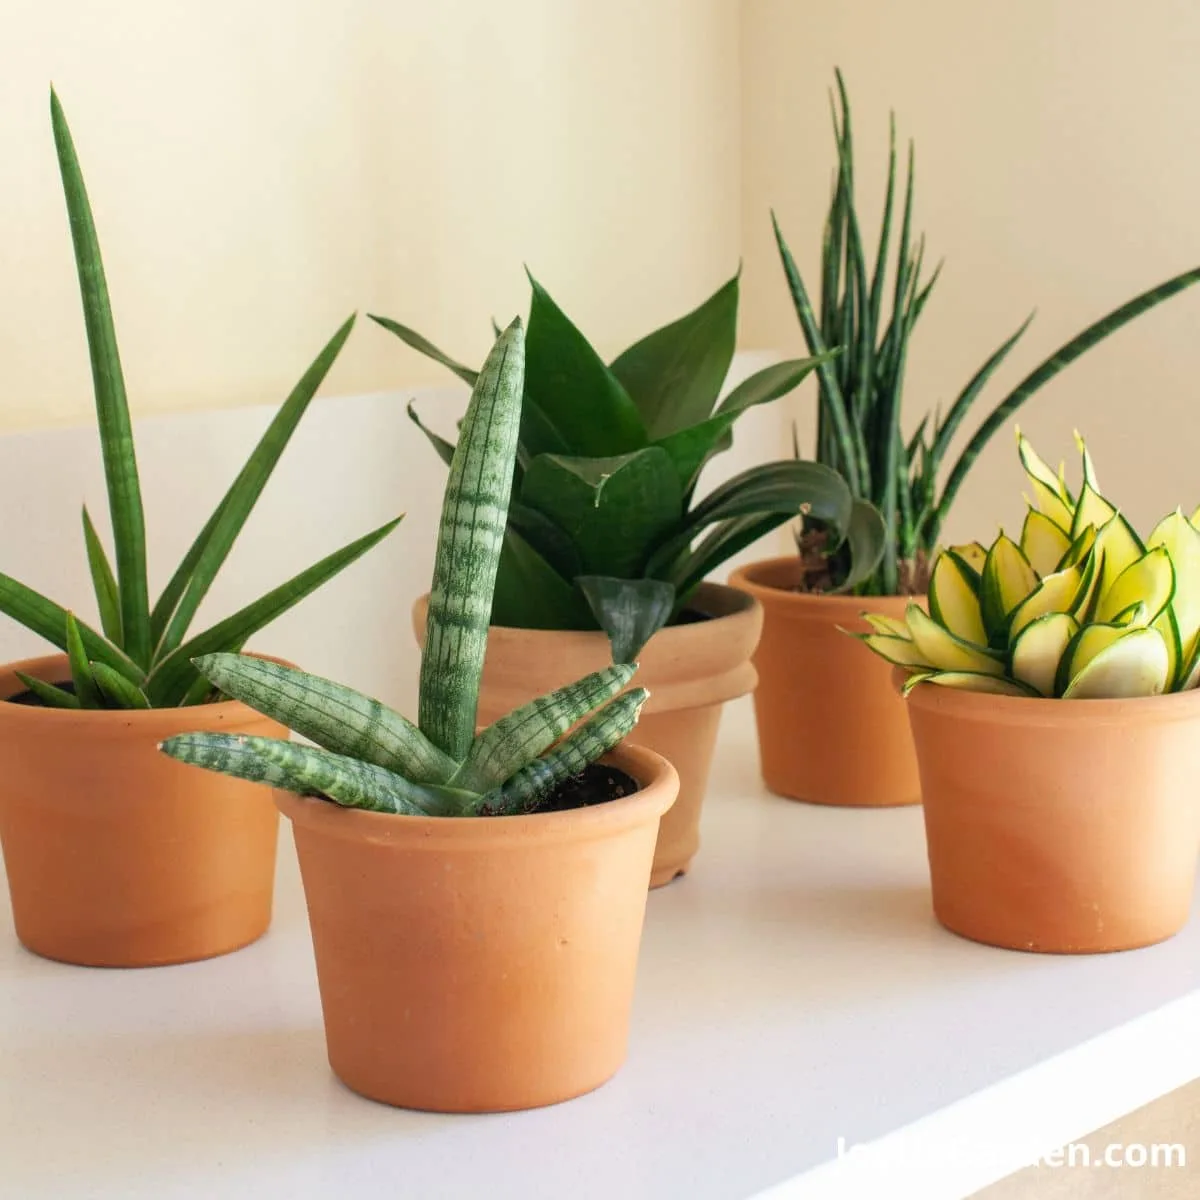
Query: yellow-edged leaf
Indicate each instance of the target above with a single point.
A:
(1135, 664)
(942, 649)
(1007, 580)
(1092, 509)
(1081, 547)
(1149, 580)
(972, 553)
(1048, 492)
(888, 626)
(1039, 649)
(953, 600)
(897, 650)
(1089, 467)
(1042, 542)
(1057, 593)
(1120, 547)
(970, 681)
(1182, 541)
(1168, 628)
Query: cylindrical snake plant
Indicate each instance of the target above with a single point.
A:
(368, 756)
(142, 659)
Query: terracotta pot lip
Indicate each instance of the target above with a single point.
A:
(741, 608)
(986, 708)
(766, 580)
(55, 667)
(659, 787)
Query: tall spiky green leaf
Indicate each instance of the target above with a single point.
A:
(192, 579)
(174, 677)
(112, 409)
(86, 688)
(474, 513)
(104, 583)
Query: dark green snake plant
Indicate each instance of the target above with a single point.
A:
(366, 755)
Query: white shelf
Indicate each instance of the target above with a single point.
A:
(795, 989)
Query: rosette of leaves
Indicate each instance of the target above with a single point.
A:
(141, 656)
(871, 310)
(1080, 607)
(368, 756)
(605, 529)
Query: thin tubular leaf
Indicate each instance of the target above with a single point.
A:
(307, 771)
(474, 514)
(1044, 372)
(112, 409)
(336, 717)
(513, 741)
(596, 737)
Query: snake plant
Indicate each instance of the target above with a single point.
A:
(142, 657)
(1080, 607)
(871, 310)
(605, 530)
(366, 755)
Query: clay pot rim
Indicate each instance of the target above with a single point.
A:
(55, 667)
(739, 607)
(988, 708)
(767, 580)
(658, 791)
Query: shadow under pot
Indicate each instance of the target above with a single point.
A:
(831, 727)
(690, 669)
(480, 964)
(1063, 826)
(116, 855)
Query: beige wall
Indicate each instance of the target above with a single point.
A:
(1056, 169)
(259, 170)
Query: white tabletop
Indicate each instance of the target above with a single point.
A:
(793, 990)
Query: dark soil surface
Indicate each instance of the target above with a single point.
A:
(593, 785)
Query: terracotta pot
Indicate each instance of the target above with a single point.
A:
(118, 856)
(831, 728)
(690, 670)
(479, 964)
(1069, 826)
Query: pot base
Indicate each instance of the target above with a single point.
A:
(661, 875)
(1044, 945)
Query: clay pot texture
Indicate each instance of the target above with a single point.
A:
(831, 727)
(479, 964)
(118, 856)
(1066, 826)
(690, 671)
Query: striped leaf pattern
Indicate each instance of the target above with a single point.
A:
(513, 741)
(305, 770)
(474, 513)
(521, 792)
(334, 716)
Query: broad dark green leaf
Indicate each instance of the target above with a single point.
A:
(421, 345)
(691, 448)
(42, 616)
(780, 489)
(104, 583)
(1047, 370)
(87, 690)
(675, 374)
(866, 537)
(530, 594)
(614, 510)
(112, 409)
(208, 553)
(571, 388)
(550, 541)
(630, 611)
(721, 542)
(175, 676)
